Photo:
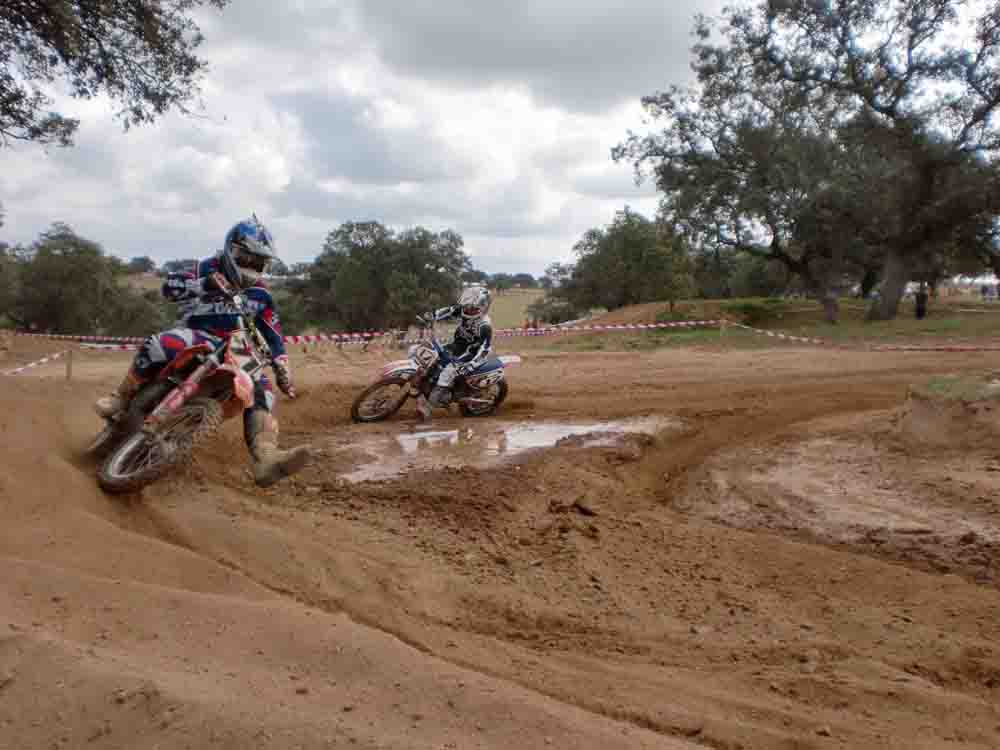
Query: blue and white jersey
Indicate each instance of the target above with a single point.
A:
(214, 313)
(473, 340)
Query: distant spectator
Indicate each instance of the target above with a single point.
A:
(920, 300)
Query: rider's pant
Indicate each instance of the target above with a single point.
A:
(160, 349)
(448, 375)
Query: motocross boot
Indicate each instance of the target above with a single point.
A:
(110, 406)
(423, 407)
(440, 396)
(270, 464)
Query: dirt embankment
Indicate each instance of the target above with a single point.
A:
(779, 572)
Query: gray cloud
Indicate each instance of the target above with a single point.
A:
(576, 55)
(346, 142)
(323, 111)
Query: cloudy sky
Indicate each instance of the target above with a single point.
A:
(495, 119)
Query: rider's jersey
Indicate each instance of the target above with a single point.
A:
(473, 341)
(215, 314)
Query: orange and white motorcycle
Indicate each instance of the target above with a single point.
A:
(187, 402)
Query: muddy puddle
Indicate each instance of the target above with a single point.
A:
(480, 444)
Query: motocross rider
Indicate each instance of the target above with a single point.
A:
(469, 348)
(208, 317)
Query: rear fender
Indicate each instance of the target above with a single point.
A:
(178, 363)
(486, 379)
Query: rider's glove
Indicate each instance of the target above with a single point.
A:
(208, 284)
(283, 374)
(215, 283)
(180, 287)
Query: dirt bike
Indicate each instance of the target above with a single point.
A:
(478, 393)
(187, 402)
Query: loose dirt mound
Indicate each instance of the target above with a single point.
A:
(590, 596)
(955, 412)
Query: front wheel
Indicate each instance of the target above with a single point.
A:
(116, 430)
(146, 455)
(105, 441)
(485, 403)
(380, 400)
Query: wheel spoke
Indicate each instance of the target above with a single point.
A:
(151, 451)
(381, 400)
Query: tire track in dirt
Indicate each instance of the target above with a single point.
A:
(635, 611)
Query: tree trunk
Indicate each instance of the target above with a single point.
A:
(822, 286)
(868, 282)
(894, 278)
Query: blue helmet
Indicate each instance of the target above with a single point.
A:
(247, 253)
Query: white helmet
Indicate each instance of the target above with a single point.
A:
(475, 302)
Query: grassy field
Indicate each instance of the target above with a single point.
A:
(509, 310)
(951, 321)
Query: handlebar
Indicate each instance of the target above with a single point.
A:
(238, 299)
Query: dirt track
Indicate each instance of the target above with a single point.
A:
(777, 573)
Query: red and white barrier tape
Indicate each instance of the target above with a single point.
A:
(37, 363)
(877, 347)
(112, 347)
(366, 336)
(68, 337)
(785, 336)
(369, 337)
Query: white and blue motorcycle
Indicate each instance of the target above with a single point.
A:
(478, 393)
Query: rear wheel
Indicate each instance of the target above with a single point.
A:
(487, 401)
(380, 400)
(146, 455)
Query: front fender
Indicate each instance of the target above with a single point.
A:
(404, 368)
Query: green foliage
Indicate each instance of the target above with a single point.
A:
(840, 140)
(9, 280)
(141, 265)
(666, 315)
(632, 260)
(525, 281)
(753, 312)
(753, 276)
(141, 54)
(554, 310)
(293, 310)
(65, 283)
(475, 276)
(369, 276)
(501, 282)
